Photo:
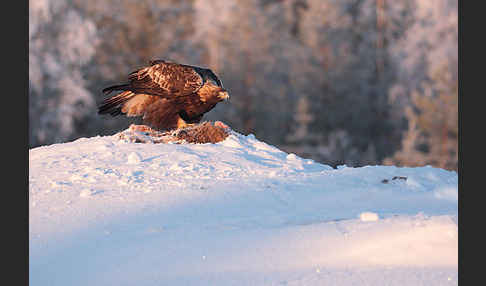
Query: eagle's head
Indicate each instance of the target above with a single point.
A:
(221, 93)
(212, 89)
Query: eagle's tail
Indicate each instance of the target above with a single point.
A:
(116, 87)
(114, 104)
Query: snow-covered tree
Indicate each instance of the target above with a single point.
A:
(61, 42)
(351, 66)
(428, 86)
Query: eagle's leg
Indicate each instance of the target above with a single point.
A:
(181, 123)
(184, 121)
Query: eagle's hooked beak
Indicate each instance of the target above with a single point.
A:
(223, 95)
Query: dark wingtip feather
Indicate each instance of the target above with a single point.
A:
(113, 105)
(109, 89)
(106, 108)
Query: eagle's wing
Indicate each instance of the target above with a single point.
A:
(155, 111)
(165, 79)
(127, 103)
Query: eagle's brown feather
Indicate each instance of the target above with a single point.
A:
(137, 104)
(166, 79)
(167, 95)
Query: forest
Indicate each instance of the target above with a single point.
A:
(355, 82)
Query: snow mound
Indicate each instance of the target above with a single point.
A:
(104, 211)
(368, 216)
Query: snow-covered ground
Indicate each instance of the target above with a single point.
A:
(239, 212)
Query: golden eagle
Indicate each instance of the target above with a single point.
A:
(168, 95)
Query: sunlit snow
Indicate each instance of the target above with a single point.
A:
(239, 212)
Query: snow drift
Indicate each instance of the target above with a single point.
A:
(104, 211)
